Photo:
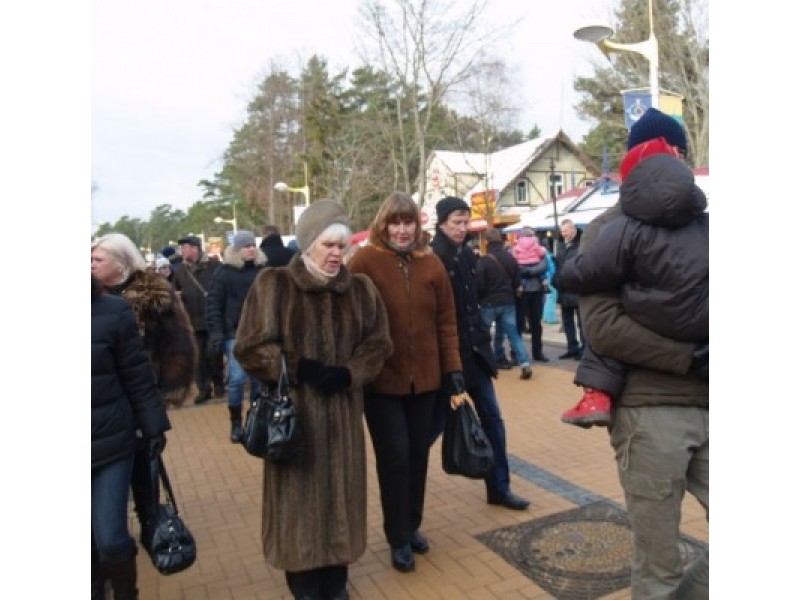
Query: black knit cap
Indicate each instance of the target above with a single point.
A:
(655, 124)
(447, 205)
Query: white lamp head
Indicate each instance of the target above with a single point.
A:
(281, 187)
(593, 33)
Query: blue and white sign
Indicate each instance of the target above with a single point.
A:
(635, 103)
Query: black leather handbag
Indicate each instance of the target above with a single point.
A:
(465, 448)
(272, 429)
(167, 539)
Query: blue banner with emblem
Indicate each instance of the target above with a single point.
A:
(635, 103)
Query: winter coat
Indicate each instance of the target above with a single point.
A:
(314, 511)
(533, 275)
(566, 252)
(474, 340)
(124, 393)
(658, 366)
(422, 317)
(497, 277)
(192, 294)
(657, 251)
(277, 254)
(165, 330)
(229, 287)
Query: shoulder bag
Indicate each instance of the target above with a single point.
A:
(271, 429)
(465, 448)
(167, 539)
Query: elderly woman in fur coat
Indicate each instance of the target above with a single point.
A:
(333, 328)
(166, 332)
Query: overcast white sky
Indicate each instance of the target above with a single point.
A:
(171, 80)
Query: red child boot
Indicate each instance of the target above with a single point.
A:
(593, 409)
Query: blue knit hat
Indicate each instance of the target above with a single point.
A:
(655, 124)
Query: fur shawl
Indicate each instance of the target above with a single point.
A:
(166, 331)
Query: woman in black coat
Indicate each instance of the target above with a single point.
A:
(124, 399)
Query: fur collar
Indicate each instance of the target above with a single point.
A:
(146, 292)
(233, 258)
(309, 283)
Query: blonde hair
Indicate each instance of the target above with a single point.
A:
(123, 251)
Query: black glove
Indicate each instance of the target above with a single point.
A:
(326, 379)
(699, 366)
(455, 383)
(156, 444)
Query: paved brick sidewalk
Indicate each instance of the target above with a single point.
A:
(218, 487)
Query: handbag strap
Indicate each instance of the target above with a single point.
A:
(283, 379)
(162, 473)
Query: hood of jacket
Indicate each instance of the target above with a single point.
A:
(661, 191)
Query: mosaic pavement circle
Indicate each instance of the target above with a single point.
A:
(581, 554)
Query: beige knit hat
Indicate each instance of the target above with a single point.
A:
(316, 218)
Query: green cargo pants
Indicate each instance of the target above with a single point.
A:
(661, 452)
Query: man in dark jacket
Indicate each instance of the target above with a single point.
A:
(272, 246)
(474, 340)
(498, 279)
(570, 310)
(241, 262)
(659, 424)
(192, 278)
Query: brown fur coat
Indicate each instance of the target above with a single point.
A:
(314, 511)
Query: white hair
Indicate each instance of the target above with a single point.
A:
(123, 251)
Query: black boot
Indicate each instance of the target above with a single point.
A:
(123, 579)
(98, 577)
(236, 423)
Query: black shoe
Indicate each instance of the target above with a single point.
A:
(236, 433)
(202, 398)
(219, 391)
(527, 373)
(418, 543)
(402, 559)
(509, 500)
(504, 364)
(566, 355)
(541, 358)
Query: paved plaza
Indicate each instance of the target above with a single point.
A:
(569, 545)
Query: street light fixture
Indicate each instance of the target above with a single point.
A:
(600, 34)
(282, 187)
(231, 221)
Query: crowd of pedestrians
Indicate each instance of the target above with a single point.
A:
(387, 334)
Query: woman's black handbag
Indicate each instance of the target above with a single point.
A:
(271, 429)
(167, 540)
(465, 448)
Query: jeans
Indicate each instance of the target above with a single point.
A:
(569, 314)
(237, 378)
(662, 452)
(498, 482)
(506, 318)
(110, 536)
(399, 427)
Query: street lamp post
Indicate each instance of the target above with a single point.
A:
(600, 34)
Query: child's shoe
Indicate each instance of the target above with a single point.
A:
(593, 409)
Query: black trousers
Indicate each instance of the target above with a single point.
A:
(530, 306)
(400, 428)
(210, 365)
(325, 582)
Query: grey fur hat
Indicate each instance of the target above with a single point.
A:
(316, 218)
